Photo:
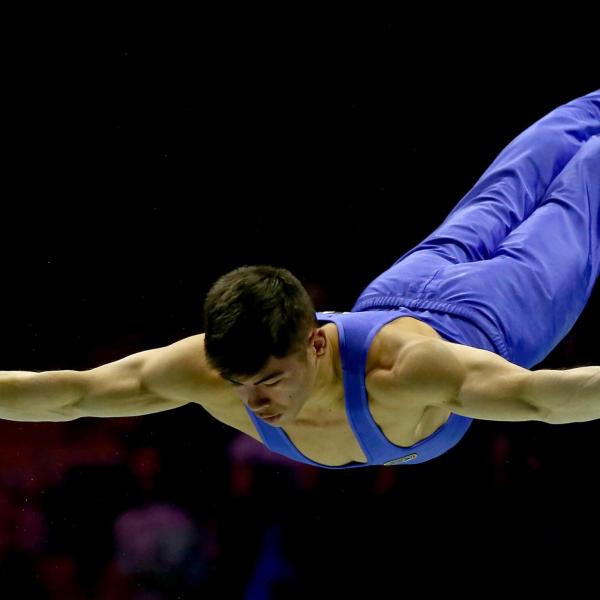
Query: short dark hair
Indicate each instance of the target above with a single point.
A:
(253, 313)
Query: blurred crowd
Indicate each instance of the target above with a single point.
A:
(176, 505)
(89, 510)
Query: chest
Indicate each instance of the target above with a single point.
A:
(336, 444)
(332, 441)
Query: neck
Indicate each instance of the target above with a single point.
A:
(327, 395)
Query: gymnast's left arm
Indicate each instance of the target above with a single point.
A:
(480, 384)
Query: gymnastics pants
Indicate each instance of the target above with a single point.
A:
(517, 258)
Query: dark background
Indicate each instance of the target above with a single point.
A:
(142, 161)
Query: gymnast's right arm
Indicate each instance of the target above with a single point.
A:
(146, 382)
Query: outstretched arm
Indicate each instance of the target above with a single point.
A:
(146, 382)
(483, 385)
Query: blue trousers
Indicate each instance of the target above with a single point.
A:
(519, 255)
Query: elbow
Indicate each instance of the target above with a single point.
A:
(534, 411)
(544, 415)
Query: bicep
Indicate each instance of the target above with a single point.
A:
(153, 381)
(469, 381)
(118, 389)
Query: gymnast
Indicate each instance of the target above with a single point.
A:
(449, 333)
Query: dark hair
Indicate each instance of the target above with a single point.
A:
(253, 313)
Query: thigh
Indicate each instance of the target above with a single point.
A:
(514, 185)
(538, 282)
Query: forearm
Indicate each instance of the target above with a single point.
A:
(566, 396)
(45, 396)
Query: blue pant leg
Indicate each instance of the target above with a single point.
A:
(506, 194)
(537, 284)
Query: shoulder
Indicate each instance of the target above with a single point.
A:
(180, 371)
(394, 339)
(418, 370)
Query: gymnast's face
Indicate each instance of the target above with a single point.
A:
(282, 388)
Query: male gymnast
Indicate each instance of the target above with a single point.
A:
(449, 333)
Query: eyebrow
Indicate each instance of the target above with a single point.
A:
(276, 374)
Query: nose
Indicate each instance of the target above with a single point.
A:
(258, 405)
(257, 402)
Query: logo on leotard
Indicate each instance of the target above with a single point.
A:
(400, 460)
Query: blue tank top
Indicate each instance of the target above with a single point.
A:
(356, 331)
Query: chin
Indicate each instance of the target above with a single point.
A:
(274, 420)
(283, 419)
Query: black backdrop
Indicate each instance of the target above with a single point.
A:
(143, 161)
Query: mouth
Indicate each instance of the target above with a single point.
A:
(272, 419)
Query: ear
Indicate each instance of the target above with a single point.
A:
(318, 340)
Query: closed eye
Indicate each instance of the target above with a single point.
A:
(235, 384)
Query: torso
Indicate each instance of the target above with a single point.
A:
(333, 443)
